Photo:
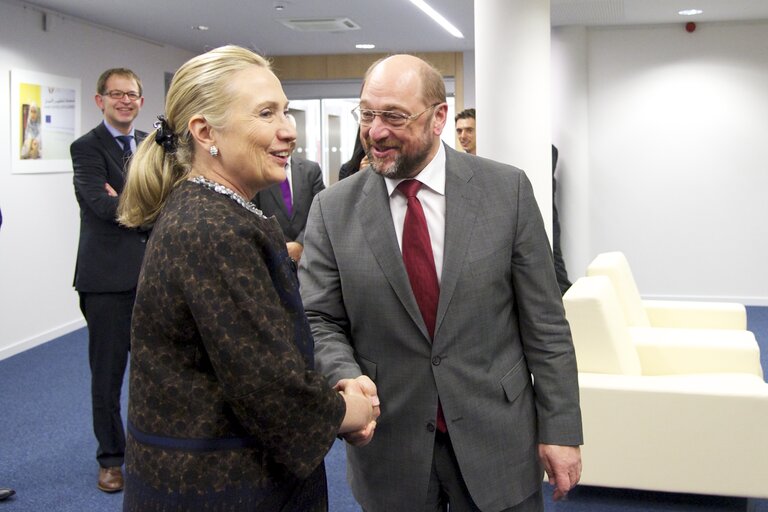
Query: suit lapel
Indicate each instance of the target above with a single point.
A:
(276, 193)
(373, 210)
(462, 202)
(112, 147)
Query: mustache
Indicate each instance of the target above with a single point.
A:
(385, 144)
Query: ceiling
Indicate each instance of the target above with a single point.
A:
(392, 25)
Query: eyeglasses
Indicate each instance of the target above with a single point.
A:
(118, 95)
(365, 116)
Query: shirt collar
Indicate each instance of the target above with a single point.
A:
(115, 132)
(432, 176)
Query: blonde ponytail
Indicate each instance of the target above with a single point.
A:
(152, 175)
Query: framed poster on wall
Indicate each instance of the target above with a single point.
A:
(45, 120)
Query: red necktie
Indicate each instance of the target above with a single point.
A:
(420, 265)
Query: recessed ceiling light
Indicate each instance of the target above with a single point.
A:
(689, 12)
(200, 27)
(365, 46)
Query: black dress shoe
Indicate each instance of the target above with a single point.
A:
(6, 493)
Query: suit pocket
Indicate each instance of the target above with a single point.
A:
(516, 380)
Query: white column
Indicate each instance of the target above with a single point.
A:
(512, 83)
(570, 133)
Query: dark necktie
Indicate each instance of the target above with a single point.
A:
(286, 188)
(420, 265)
(125, 141)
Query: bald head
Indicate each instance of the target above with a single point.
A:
(408, 71)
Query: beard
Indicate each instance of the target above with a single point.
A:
(406, 164)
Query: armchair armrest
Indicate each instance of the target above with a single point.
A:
(696, 315)
(669, 351)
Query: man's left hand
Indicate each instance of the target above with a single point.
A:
(563, 467)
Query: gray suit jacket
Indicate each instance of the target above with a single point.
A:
(306, 181)
(500, 320)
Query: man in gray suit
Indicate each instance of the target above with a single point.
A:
(479, 394)
(305, 180)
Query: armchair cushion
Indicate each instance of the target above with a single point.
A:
(699, 315)
(667, 351)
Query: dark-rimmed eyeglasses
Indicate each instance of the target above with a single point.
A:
(118, 95)
(365, 116)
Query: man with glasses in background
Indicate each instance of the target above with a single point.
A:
(431, 281)
(108, 259)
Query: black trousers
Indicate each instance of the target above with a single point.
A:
(109, 339)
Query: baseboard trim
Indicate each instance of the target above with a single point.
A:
(39, 339)
(747, 301)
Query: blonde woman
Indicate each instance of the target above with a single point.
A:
(225, 410)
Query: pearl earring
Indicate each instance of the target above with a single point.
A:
(214, 151)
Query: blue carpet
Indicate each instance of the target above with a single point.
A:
(47, 450)
(757, 322)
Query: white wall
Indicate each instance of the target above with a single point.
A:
(662, 136)
(678, 129)
(38, 239)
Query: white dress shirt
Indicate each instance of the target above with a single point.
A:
(288, 176)
(432, 198)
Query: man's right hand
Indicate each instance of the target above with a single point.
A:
(366, 386)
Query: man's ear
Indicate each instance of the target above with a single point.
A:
(201, 131)
(99, 101)
(440, 118)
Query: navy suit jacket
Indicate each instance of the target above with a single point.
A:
(108, 255)
(306, 181)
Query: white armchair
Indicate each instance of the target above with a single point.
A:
(677, 416)
(663, 313)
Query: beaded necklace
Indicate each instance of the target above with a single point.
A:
(221, 189)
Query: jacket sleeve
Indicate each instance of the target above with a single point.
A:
(544, 330)
(90, 179)
(247, 331)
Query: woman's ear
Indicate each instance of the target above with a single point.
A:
(201, 131)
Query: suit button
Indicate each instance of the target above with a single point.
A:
(430, 427)
(436, 361)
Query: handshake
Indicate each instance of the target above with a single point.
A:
(362, 409)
